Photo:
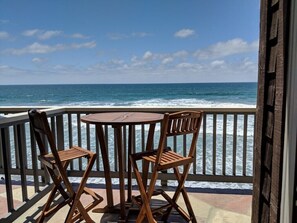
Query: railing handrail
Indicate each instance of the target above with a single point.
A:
(19, 114)
(22, 109)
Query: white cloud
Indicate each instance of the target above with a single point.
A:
(120, 36)
(49, 34)
(134, 59)
(31, 32)
(117, 36)
(42, 34)
(140, 34)
(148, 55)
(230, 47)
(136, 71)
(181, 53)
(37, 48)
(185, 65)
(79, 36)
(217, 63)
(34, 48)
(4, 35)
(91, 44)
(167, 60)
(184, 33)
(117, 62)
(38, 60)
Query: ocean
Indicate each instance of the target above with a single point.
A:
(227, 95)
(198, 95)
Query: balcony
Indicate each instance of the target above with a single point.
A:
(219, 179)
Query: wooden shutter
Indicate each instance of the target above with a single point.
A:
(270, 119)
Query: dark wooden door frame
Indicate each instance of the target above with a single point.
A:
(270, 119)
(289, 182)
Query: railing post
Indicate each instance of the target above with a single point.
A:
(7, 166)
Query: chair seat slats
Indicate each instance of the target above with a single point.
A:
(65, 155)
(167, 158)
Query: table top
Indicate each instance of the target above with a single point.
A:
(122, 118)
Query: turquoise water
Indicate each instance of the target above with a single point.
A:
(140, 95)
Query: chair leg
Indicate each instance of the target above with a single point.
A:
(47, 204)
(145, 209)
(181, 178)
(188, 205)
(57, 186)
(82, 212)
(151, 188)
(76, 198)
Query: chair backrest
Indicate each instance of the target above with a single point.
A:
(41, 129)
(180, 123)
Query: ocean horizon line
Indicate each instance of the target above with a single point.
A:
(57, 84)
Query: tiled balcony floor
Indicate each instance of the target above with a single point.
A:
(208, 207)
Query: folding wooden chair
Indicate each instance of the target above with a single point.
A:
(175, 124)
(56, 164)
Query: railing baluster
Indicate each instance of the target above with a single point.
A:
(106, 139)
(22, 155)
(234, 143)
(142, 139)
(115, 152)
(185, 145)
(133, 140)
(175, 144)
(88, 136)
(214, 143)
(204, 145)
(224, 143)
(97, 151)
(16, 151)
(70, 136)
(79, 138)
(131, 148)
(7, 167)
(244, 144)
(124, 146)
(34, 160)
(53, 127)
(60, 132)
(46, 176)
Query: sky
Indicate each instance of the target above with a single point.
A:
(135, 41)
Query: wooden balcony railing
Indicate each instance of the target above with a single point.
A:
(224, 149)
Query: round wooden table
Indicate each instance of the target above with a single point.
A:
(117, 120)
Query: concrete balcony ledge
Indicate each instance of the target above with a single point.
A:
(208, 207)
